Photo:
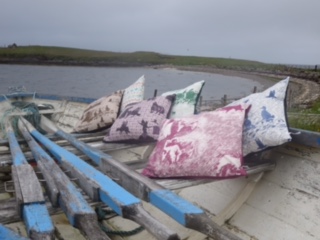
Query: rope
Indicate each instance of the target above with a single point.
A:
(33, 115)
(102, 213)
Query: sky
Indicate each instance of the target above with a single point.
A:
(270, 31)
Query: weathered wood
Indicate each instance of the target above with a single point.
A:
(29, 185)
(49, 111)
(88, 225)
(18, 193)
(9, 213)
(31, 206)
(6, 157)
(109, 192)
(7, 233)
(68, 197)
(51, 187)
(90, 187)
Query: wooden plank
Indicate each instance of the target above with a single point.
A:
(51, 187)
(90, 187)
(32, 206)
(295, 171)
(48, 111)
(79, 212)
(30, 187)
(9, 213)
(7, 233)
(110, 193)
(287, 198)
(18, 193)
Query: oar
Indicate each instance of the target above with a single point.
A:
(7, 233)
(176, 207)
(101, 188)
(29, 196)
(63, 193)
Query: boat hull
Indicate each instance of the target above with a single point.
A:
(277, 204)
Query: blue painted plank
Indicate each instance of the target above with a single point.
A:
(305, 137)
(111, 193)
(167, 201)
(120, 200)
(173, 205)
(8, 234)
(17, 155)
(37, 218)
(35, 215)
(71, 200)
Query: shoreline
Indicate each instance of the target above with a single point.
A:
(301, 92)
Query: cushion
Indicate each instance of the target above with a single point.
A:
(141, 122)
(100, 113)
(134, 93)
(208, 145)
(266, 124)
(186, 100)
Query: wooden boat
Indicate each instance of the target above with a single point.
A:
(279, 200)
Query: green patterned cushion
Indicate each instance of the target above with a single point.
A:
(186, 100)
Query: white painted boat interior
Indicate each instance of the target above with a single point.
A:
(278, 204)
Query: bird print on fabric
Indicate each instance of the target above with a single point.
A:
(266, 116)
(272, 94)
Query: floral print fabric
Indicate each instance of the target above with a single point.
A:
(208, 145)
(186, 100)
(266, 124)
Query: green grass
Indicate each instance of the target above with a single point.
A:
(43, 54)
(82, 57)
(75, 56)
(308, 119)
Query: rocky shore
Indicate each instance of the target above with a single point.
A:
(301, 93)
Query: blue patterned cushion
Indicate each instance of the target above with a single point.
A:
(266, 124)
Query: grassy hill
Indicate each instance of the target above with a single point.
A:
(82, 57)
(61, 55)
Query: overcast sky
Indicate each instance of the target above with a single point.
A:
(271, 31)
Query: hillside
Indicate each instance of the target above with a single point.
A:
(81, 57)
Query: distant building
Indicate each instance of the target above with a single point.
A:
(13, 45)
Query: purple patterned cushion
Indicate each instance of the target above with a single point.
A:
(100, 113)
(208, 145)
(141, 121)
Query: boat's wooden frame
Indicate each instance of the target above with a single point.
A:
(230, 215)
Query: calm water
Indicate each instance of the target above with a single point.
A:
(99, 81)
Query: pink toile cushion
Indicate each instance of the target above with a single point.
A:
(208, 145)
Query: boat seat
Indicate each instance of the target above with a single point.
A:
(46, 111)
